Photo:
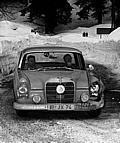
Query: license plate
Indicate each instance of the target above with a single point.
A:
(60, 107)
(84, 106)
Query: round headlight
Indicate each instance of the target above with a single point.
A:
(23, 89)
(94, 88)
(84, 97)
(36, 98)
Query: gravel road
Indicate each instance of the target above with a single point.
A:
(59, 127)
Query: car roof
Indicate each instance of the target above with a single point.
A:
(50, 49)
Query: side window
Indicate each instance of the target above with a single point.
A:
(23, 62)
(81, 62)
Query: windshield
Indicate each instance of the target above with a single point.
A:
(52, 61)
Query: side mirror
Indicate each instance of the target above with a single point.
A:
(91, 67)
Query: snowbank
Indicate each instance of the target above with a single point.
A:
(11, 29)
(115, 35)
(76, 38)
(14, 37)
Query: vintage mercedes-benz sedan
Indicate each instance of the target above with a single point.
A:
(55, 78)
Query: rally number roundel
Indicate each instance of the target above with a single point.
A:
(60, 89)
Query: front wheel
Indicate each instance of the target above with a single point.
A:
(94, 113)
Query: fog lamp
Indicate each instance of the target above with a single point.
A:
(36, 98)
(84, 97)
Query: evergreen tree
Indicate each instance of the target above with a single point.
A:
(116, 6)
(99, 9)
(85, 7)
(6, 9)
(96, 7)
(54, 11)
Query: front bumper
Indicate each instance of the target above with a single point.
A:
(60, 107)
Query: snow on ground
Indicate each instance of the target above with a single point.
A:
(92, 31)
(115, 35)
(16, 31)
(76, 38)
(11, 29)
(14, 37)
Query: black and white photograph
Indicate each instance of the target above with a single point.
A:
(59, 71)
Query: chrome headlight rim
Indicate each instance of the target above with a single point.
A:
(23, 89)
(94, 88)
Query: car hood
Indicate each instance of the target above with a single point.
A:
(38, 79)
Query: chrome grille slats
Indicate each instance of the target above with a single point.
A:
(52, 95)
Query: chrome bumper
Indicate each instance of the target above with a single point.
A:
(74, 107)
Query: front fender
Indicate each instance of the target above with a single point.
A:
(93, 77)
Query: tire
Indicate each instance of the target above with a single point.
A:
(94, 113)
(22, 113)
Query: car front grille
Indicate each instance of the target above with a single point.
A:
(54, 97)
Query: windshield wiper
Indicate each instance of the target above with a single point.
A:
(41, 68)
(68, 68)
(52, 68)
